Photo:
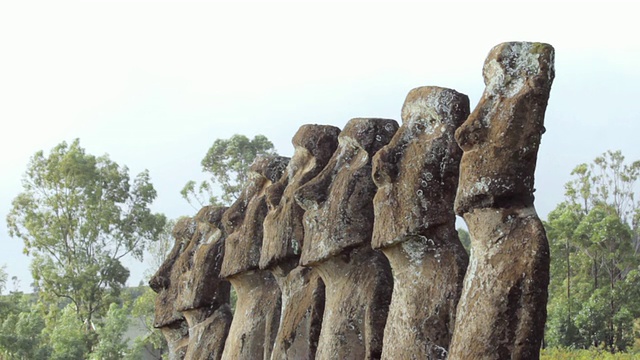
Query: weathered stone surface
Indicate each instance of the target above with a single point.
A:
(502, 309)
(417, 172)
(428, 271)
(283, 230)
(338, 201)
(256, 319)
(501, 137)
(243, 220)
(177, 335)
(338, 223)
(199, 265)
(358, 285)
(208, 331)
(165, 283)
(255, 322)
(328, 283)
(417, 177)
(303, 301)
(302, 289)
(203, 298)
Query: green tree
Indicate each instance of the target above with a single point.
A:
(594, 242)
(4, 277)
(152, 342)
(465, 239)
(158, 251)
(111, 344)
(227, 161)
(78, 216)
(21, 329)
(67, 337)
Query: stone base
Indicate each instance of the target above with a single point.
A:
(358, 285)
(255, 321)
(207, 332)
(177, 336)
(427, 282)
(302, 310)
(502, 310)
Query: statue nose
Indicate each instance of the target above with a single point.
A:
(314, 193)
(470, 133)
(384, 169)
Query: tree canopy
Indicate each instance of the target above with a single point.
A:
(78, 216)
(3, 278)
(227, 161)
(594, 239)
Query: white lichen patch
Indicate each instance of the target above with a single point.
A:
(296, 246)
(482, 186)
(415, 249)
(507, 74)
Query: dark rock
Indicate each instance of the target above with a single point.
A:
(203, 297)
(303, 298)
(165, 282)
(255, 322)
(503, 307)
(302, 289)
(501, 137)
(283, 230)
(208, 331)
(358, 285)
(338, 223)
(243, 220)
(256, 318)
(338, 201)
(417, 177)
(502, 310)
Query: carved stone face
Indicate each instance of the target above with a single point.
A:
(283, 230)
(199, 284)
(417, 172)
(338, 202)
(243, 221)
(500, 138)
(165, 281)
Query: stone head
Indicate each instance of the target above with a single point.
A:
(165, 282)
(283, 230)
(243, 221)
(417, 172)
(199, 264)
(500, 138)
(338, 201)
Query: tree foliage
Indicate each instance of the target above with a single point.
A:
(22, 327)
(78, 216)
(594, 239)
(111, 344)
(158, 251)
(465, 239)
(227, 161)
(152, 342)
(4, 277)
(68, 338)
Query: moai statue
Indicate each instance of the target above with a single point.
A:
(165, 283)
(257, 313)
(203, 298)
(502, 310)
(301, 287)
(338, 223)
(417, 177)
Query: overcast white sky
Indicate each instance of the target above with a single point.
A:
(154, 83)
